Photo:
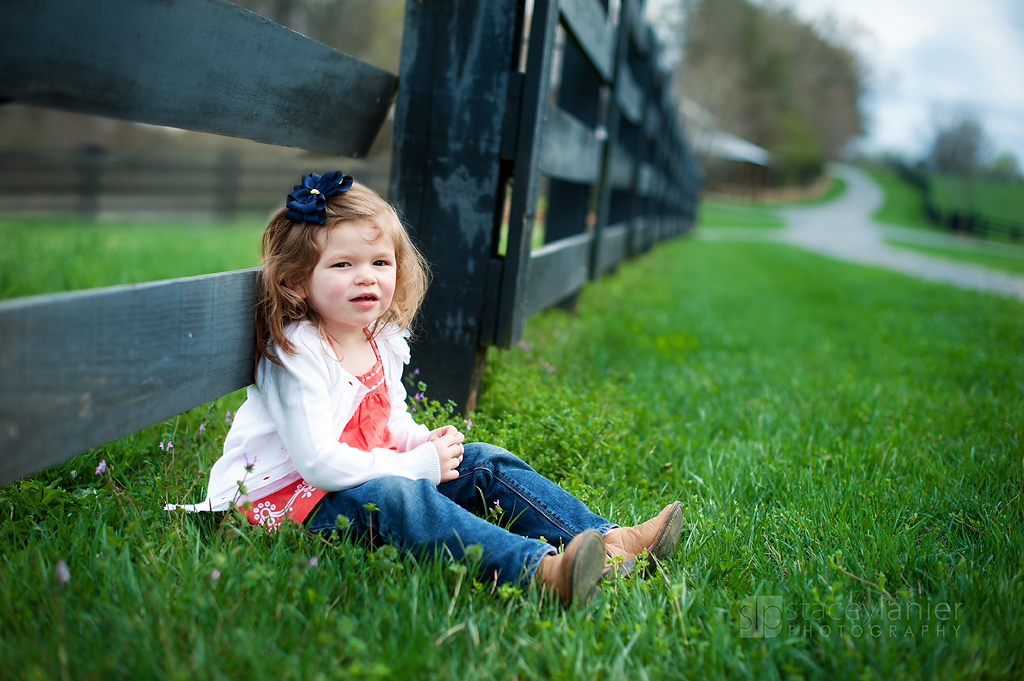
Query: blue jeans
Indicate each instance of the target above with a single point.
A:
(416, 516)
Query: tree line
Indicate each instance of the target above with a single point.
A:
(789, 86)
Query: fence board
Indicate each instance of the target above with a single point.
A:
(613, 246)
(557, 270)
(588, 23)
(650, 182)
(621, 176)
(205, 65)
(638, 28)
(80, 369)
(641, 234)
(629, 96)
(152, 182)
(653, 122)
(570, 150)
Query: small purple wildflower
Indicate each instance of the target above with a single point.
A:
(416, 372)
(313, 562)
(63, 573)
(161, 445)
(215, 575)
(227, 417)
(525, 345)
(497, 503)
(170, 445)
(248, 464)
(549, 367)
(419, 396)
(102, 468)
(469, 424)
(202, 427)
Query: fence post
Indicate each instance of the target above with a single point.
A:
(569, 203)
(445, 175)
(226, 184)
(90, 166)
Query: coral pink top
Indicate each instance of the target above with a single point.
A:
(366, 430)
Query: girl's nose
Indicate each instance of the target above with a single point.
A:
(366, 275)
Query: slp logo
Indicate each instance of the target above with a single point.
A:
(761, 617)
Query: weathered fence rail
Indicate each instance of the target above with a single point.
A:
(94, 181)
(476, 138)
(968, 221)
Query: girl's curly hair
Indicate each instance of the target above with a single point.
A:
(290, 250)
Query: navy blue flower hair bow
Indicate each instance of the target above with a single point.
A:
(308, 200)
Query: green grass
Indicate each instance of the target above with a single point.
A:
(983, 196)
(723, 214)
(58, 254)
(1009, 263)
(904, 207)
(718, 211)
(844, 439)
(904, 202)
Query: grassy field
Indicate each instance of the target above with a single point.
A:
(846, 443)
(904, 207)
(1008, 261)
(991, 198)
(724, 211)
(64, 254)
(904, 202)
(725, 214)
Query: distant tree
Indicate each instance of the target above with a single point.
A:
(789, 86)
(959, 146)
(1005, 167)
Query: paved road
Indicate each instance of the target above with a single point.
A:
(843, 229)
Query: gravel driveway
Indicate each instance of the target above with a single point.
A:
(843, 229)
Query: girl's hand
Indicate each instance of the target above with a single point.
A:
(445, 430)
(449, 453)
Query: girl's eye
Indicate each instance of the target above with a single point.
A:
(381, 263)
(341, 264)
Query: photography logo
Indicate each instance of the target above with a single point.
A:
(761, 617)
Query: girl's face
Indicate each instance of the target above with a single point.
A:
(354, 281)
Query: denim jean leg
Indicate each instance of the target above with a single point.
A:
(536, 506)
(411, 515)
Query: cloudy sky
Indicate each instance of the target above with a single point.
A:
(928, 57)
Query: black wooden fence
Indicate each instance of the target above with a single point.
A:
(93, 182)
(968, 221)
(474, 136)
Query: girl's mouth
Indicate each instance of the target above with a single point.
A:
(367, 299)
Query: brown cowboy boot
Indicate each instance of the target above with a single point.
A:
(658, 536)
(573, 574)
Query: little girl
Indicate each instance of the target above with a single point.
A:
(325, 431)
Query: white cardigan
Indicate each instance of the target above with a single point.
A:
(289, 425)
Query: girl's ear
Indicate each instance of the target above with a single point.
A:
(299, 290)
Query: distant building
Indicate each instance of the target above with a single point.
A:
(731, 164)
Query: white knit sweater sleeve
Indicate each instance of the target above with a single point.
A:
(298, 398)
